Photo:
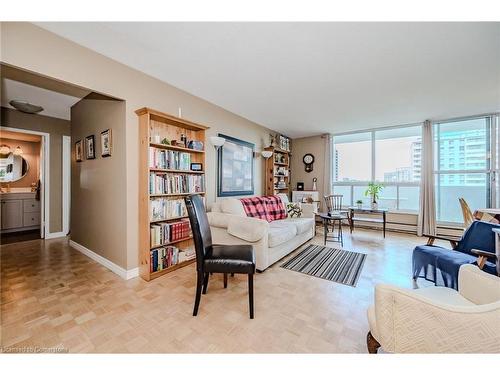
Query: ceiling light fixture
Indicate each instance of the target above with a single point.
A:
(25, 107)
(4, 149)
(18, 151)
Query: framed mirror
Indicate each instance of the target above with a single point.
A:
(12, 167)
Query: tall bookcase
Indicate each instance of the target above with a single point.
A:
(278, 172)
(165, 177)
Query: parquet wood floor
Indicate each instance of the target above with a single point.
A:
(53, 296)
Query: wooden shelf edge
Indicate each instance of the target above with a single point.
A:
(175, 171)
(154, 275)
(175, 195)
(180, 121)
(171, 243)
(175, 148)
(169, 219)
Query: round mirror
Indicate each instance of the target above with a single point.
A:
(12, 167)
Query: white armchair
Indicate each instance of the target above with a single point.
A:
(438, 319)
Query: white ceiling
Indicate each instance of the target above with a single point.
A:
(309, 78)
(55, 104)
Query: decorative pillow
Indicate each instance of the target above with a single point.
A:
(275, 208)
(255, 207)
(294, 209)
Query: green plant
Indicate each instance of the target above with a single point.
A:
(373, 191)
(359, 201)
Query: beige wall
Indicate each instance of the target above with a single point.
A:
(309, 145)
(69, 62)
(98, 193)
(56, 129)
(31, 153)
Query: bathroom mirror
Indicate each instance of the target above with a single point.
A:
(12, 167)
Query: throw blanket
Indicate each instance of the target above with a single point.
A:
(266, 208)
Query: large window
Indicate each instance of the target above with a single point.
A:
(391, 156)
(353, 157)
(462, 166)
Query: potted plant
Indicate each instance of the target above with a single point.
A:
(359, 203)
(373, 191)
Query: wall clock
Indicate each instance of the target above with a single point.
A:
(308, 160)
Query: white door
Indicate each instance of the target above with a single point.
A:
(41, 193)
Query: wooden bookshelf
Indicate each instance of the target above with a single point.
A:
(154, 127)
(279, 161)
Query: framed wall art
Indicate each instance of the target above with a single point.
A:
(235, 174)
(90, 147)
(79, 151)
(106, 143)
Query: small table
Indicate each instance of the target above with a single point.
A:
(332, 217)
(367, 210)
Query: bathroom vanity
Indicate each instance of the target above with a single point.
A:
(20, 211)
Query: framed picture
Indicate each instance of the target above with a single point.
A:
(79, 151)
(235, 172)
(90, 147)
(196, 167)
(106, 143)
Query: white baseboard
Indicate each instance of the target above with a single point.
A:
(49, 236)
(123, 273)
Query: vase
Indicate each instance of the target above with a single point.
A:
(360, 205)
(374, 205)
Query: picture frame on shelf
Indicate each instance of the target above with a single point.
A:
(79, 151)
(90, 147)
(196, 167)
(106, 143)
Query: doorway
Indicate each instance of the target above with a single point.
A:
(22, 190)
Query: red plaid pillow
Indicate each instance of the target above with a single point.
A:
(255, 207)
(275, 208)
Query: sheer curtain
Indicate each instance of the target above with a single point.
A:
(427, 214)
(327, 173)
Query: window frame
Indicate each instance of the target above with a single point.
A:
(490, 171)
(352, 184)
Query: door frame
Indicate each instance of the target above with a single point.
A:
(44, 178)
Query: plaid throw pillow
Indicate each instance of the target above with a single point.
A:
(275, 208)
(254, 207)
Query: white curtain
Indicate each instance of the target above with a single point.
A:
(327, 173)
(427, 214)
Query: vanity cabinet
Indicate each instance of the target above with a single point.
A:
(12, 214)
(20, 211)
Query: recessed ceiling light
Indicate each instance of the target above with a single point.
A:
(25, 107)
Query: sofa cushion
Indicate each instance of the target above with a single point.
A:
(254, 207)
(280, 231)
(275, 209)
(232, 206)
(302, 224)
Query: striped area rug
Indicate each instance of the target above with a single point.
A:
(340, 266)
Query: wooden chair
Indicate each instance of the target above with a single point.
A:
(333, 202)
(466, 212)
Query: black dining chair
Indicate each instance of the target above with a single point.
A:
(212, 258)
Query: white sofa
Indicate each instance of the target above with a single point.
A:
(271, 241)
(438, 319)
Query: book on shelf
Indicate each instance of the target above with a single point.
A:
(175, 183)
(186, 254)
(168, 159)
(166, 208)
(164, 233)
(164, 257)
(167, 256)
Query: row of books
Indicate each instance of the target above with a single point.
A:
(168, 232)
(166, 208)
(168, 256)
(175, 183)
(168, 159)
